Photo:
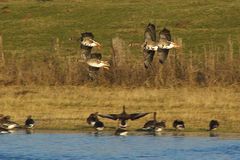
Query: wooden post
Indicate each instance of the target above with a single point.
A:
(230, 57)
(56, 46)
(1, 52)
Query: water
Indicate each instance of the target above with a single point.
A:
(58, 146)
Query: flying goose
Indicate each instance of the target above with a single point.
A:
(95, 122)
(213, 125)
(87, 40)
(29, 123)
(154, 125)
(95, 64)
(165, 44)
(151, 44)
(178, 124)
(124, 117)
(93, 60)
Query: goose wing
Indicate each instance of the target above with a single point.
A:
(164, 38)
(149, 44)
(164, 34)
(109, 116)
(86, 50)
(135, 116)
(96, 56)
(150, 33)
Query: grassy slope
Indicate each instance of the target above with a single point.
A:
(68, 107)
(31, 25)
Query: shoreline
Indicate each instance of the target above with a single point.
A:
(67, 107)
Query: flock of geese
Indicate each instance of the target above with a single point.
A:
(8, 126)
(94, 61)
(151, 126)
(151, 44)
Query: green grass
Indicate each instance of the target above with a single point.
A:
(30, 26)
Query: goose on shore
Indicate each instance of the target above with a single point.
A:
(4, 130)
(95, 122)
(99, 125)
(178, 124)
(123, 117)
(8, 124)
(121, 131)
(213, 125)
(154, 125)
(29, 123)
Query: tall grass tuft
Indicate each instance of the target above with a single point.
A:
(212, 65)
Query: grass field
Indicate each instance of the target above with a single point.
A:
(30, 26)
(68, 107)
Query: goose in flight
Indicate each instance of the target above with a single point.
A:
(151, 45)
(123, 117)
(92, 59)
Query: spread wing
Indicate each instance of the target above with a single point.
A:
(135, 116)
(164, 37)
(86, 50)
(109, 116)
(164, 34)
(149, 37)
(150, 33)
(94, 56)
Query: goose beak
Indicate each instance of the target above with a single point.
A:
(99, 46)
(175, 45)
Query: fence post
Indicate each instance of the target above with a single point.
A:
(1, 51)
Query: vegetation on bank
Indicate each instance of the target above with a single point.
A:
(41, 73)
(67, 107)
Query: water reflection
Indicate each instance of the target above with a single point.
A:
(29, 131)
(137, 145)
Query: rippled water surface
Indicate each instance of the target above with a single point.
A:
(55, 146)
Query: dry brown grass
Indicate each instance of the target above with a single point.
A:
(67, 107)
(210, 66)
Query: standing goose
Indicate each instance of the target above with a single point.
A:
(8, 124)
(29, 123)
(154, 125)
(121, 131)
(95, 122)
(213, 125)
(178, 124)
(124, 117)
(4, 130)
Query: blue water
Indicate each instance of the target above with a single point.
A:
(58, 146)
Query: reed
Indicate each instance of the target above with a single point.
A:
(207, 67)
